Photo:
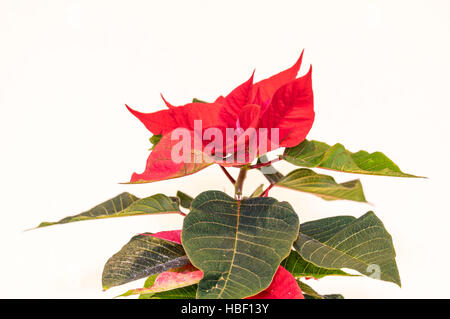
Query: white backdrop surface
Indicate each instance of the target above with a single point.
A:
(381, 82)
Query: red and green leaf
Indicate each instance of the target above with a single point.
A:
(169, 280)
(144, 255)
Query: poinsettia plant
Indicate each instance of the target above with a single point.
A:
(247, 246)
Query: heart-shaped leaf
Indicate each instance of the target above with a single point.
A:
(361, 244)
(142, 256)
(299, 267)
(123, 205)
(324, 186)
(237, 244)
(336, 157)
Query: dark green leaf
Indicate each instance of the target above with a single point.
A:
(310, 293)
(185, 199)
(176, 201)
(299, 267)
(361, 244)
(142, 256)
(195, 100)
(123, 205)
(237, 244)
(324, 186)
(336, 157)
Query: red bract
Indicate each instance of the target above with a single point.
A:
(283, 286)
(281, 101)
(276, 112)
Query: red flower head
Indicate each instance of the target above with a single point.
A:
(263, 116)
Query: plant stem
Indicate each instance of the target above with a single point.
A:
(240, 182)
(266, 192)
(266, 164)
(228, 175)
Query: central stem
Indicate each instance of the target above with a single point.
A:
(238, 186)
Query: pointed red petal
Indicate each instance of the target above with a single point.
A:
(160, 165)
(156, 122)
(283, 286)
(292, 111)
(170, 106)
(162, 122)
(269, 86)
(249, 116)
(234, 102)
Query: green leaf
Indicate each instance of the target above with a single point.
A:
(324, 186)
(142, 256)
(195, 100)
(123, 205)
(310, 293)
(188, 292)
(154, 140)
(237, 244)
(299, 267)
(361, 244)
(258, 191)
(185, 199)
(148, 283)
(336, 157)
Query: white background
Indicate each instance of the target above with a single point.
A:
(381, 82)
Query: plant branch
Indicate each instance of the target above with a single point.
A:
(266, 192)
(259, 165)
